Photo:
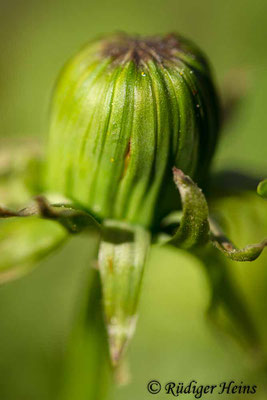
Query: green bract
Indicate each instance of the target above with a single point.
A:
(125, 111)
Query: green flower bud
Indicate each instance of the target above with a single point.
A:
(125, 111)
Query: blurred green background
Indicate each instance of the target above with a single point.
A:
(173, 340)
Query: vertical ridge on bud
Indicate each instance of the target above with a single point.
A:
(187, 150)
(103, 88)
(162, 134)
(116, 145)
(70, 119)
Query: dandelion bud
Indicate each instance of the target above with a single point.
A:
(125, 111)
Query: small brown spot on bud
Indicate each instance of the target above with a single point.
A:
(127, 158)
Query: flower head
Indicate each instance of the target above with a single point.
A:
(125, 111)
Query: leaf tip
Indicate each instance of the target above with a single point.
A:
(119, 335)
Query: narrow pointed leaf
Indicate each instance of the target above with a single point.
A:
(248, 253)
(193, 230)
(121, 261)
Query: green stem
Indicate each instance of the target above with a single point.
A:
(87, 369)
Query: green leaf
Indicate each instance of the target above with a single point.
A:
(193, 230)
(196, 228)
(121, 260)
(36, 230)
(248, 253)
(72, 218)
(25, 241)
(87, 367)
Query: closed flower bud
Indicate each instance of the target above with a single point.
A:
(125, 111)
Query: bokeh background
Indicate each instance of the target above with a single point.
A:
(173, 339)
